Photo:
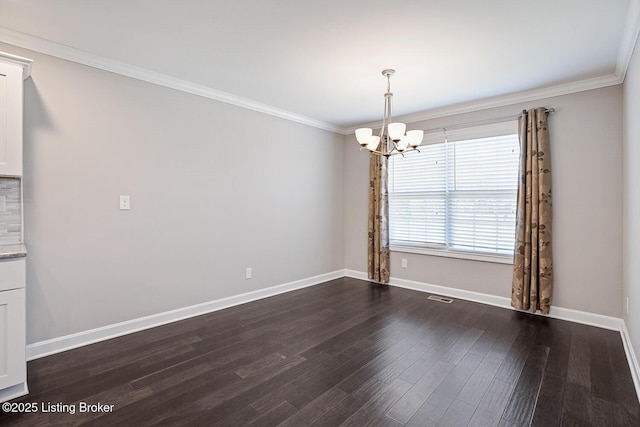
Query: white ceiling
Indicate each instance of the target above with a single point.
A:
(322, 58)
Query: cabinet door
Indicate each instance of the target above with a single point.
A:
(12, 338)
(10, 119)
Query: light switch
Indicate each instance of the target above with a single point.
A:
(125, 203)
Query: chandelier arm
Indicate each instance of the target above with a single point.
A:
(393, 152)
(387, 104)
(391, 144)
(390, 99)
(384, 117)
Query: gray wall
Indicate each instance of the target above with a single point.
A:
(586, 138)
(631, 223)
(214, 189)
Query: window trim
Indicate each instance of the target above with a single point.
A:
(463, 133)
(447, 253)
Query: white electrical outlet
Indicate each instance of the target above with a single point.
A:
(248, 273)
(404, 263)
(125, 203)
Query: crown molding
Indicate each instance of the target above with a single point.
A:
(502, 100)
(629, 39)
(48, 47)
(625, 52)
(25, 63)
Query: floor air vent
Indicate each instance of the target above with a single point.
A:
(440, 299)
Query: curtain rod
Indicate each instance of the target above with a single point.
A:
(483, 122)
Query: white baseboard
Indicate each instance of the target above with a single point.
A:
(592, 319)
(576, 316)
(68, 342)
(631, 358)
(13, 392)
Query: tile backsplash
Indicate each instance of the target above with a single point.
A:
(10, 211)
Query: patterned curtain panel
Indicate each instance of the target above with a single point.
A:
(533, 267)
(378, 268)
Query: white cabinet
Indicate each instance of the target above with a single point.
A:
(13, 368)
(13, 365)
(13, 69)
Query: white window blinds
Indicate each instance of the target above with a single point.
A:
(459, 193)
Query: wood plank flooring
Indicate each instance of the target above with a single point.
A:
(349, 353)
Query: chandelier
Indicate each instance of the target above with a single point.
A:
(392, 138)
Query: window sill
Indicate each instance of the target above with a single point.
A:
(498, 259)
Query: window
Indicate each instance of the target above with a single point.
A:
(458, 195)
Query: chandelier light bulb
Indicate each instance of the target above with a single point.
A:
(396, 131)
(402, 144)
(415, 137)
(373, 143)
(363, 135)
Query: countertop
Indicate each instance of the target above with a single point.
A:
(13, 251)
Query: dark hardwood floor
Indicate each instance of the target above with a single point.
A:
(343, 353)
